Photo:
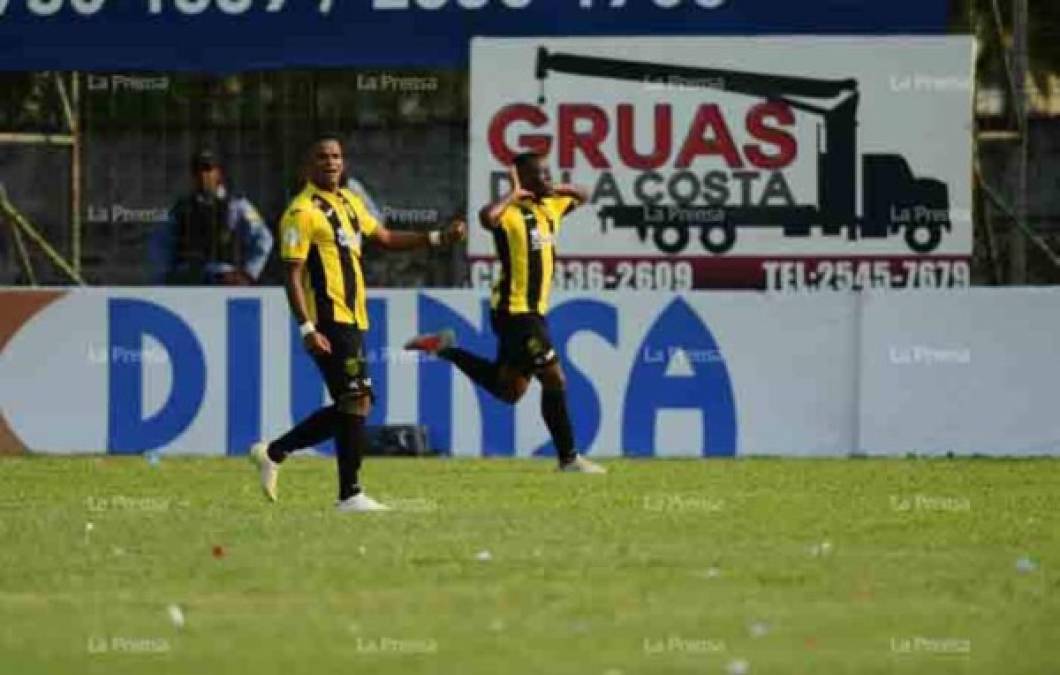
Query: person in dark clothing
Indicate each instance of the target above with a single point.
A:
(211, 236)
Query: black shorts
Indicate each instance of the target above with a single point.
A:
(345, 370)
(523, 342)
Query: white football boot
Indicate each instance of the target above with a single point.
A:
(359, 503)
(268, 470)
(581, 465)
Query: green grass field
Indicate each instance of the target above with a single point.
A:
(790, 566)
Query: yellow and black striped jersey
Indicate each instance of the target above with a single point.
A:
(325, 229)
(525, 241)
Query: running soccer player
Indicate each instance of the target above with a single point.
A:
(320, 236)
(524, 224)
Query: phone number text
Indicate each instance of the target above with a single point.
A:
(192, 7)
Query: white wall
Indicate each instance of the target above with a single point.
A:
(974, 371)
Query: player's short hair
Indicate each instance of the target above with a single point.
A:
(323, 138)
(523, 159)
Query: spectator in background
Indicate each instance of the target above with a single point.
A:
(211, 237)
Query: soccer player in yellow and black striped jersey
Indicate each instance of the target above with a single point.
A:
(524, 224)
(321, 237)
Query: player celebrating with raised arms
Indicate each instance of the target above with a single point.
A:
(524, 224)
(321, 235)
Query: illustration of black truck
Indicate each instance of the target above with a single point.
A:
(893, 199)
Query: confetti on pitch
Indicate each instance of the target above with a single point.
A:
(821, 550)
(218, 552)
(1026, 565)
(176, 615)
(738, 667)
(709, 573)
(483, 556)
(362, 549)
(758, 629)
(153, 457)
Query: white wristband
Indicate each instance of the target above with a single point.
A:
(434, 237)
(307, 328)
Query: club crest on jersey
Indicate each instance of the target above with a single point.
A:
(534, 345)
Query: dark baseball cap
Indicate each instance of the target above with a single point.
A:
(204, 159)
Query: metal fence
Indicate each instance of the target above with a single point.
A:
(405, 131)
(97, 194)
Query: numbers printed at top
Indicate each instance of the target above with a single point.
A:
(225, 6)
(238, 7)
(46, 8)
(52, 7)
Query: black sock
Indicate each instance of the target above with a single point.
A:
(314, 429)
(554, 411)
(482, 372)
(350, 444)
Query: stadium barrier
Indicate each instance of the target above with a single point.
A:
(207, 371)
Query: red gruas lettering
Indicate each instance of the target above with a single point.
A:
(584, 128)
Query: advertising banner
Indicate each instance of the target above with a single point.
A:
(720, 374)
(230, 35)
(785, 163)
(208, 372)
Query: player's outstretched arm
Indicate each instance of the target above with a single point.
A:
(490, 214)
(578, 193)
(396, 240)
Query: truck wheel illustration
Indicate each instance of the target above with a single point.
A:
(923, 238)
(671, 238)
(718, 237)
